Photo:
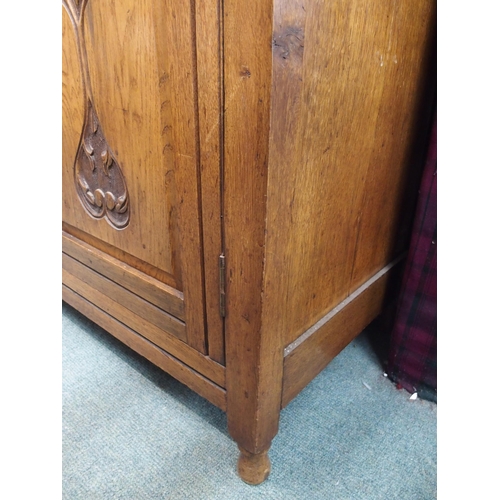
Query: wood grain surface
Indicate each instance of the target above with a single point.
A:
(149, 112)
(316, 347)
(165, 297)
(209, 68)
(347, 81)
(156, 334)
(120, 40)
(253, 360)
(121, 295)
(73, 108)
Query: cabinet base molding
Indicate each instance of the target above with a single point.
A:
(194, 380)
(307, 356)
(129, 296)
(161, 295)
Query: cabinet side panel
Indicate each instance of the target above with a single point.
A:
(346, 87)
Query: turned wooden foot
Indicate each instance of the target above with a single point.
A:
(253, 468)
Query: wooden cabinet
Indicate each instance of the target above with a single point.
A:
(238, 178)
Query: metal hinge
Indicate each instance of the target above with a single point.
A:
(222, 285)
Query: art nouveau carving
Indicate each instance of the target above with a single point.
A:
(99, 180)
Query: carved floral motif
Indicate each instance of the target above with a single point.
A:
(98, 177)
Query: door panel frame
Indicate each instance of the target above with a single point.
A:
(191, 111)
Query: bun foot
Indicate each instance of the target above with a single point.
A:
(253, 468)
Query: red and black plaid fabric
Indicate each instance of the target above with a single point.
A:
(412, 361)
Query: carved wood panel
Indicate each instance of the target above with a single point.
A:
(99, 180)
(141, 144)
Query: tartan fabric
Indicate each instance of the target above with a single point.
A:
(412, 361)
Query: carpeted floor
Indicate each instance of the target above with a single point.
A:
(132, 432)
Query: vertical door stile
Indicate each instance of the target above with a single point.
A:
(208, 17)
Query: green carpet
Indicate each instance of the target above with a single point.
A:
(132, 432)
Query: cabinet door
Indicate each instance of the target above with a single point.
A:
(132, 193)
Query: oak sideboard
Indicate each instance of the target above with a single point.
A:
(238, 184)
